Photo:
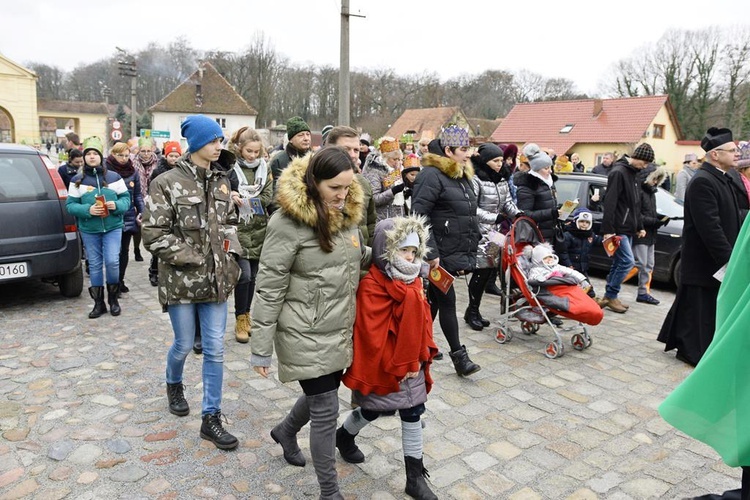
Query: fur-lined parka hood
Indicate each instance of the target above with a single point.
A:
(293, 199)
(390, 232)
(448, 166)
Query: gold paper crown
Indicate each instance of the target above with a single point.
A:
(412, 161)
(388, 145)
(454, 137)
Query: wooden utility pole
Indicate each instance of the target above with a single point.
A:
(344, 87)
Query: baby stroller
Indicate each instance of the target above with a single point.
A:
(531, 304)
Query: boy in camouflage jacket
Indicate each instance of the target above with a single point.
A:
(187, 226)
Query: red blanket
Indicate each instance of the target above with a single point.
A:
(580, 306)
(392, 334)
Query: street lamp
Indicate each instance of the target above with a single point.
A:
(127, 67)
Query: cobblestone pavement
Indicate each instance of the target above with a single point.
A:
(83, 414)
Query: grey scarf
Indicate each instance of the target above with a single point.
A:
(402, 270)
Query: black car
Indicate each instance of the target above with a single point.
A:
(38, 238)
(667, 250)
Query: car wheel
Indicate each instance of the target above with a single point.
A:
(676, 271)
(71, 284)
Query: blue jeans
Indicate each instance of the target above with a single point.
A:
(103, 248)
(622, 263)
(213, 323)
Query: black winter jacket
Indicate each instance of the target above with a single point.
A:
(712, 223)
(443, 193)
(578, 244)
(538, 201)
(649, 216)
(622, 201)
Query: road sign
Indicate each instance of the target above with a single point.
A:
(116, 125)
(116, 135)
(156, 134)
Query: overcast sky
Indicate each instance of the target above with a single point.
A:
(578, 40)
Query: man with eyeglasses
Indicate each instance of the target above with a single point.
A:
(710, 229)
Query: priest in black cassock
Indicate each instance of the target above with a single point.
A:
(711, 226)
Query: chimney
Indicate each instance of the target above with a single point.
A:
(598, 105)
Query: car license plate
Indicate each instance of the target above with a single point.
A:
(13, 270)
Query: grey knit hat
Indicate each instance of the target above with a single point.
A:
(537, 158)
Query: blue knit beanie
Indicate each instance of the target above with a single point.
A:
(199, 130)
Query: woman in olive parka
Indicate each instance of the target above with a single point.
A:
(305, 299)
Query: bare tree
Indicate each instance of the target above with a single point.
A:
(736, 66)
(50, 82)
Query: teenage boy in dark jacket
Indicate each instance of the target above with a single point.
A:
(622, 217)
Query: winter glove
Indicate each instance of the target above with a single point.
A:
(500, 218)
(520, 213)
(397, 188)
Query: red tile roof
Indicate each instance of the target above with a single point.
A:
(427, 120)
(622, 120)
(216, 96)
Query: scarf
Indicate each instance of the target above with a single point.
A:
(125, 171)
(392, 334)
(548, 181)
(402, 270)
(689, 171)
(144, 172)
(260, 168)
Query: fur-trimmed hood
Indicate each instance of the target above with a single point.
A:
(292, 197)
(390, 232)
(448, 166)
(659, 174)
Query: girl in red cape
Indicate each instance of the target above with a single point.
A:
(393, 346)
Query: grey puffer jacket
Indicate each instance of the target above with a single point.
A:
(493, 199)
(188, 225)
(377, 173)
(304, 304)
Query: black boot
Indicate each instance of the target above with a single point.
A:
(491, 286)
(112, 293)
(485, 322)
(286, 432)
(97, 293)
(461, 362)
(416, 486)
(471, 316)
(347, 447)
(123, 287)
(198, 342)
(476, 289)
(178, 405)
(212, 430)
(153, 271)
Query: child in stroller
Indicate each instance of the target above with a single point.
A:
(547, 287)
(545, 267)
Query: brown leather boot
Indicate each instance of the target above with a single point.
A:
(616, 306)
